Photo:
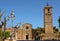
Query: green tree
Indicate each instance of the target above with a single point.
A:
(1, 35)
(55, 29)
(7, 34)
(39, 30)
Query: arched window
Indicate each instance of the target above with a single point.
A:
(48, 10)
(27, 27)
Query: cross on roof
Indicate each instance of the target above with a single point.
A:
(47, 4)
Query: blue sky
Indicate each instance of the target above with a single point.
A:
(30, 11)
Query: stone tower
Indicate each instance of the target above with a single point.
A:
(48, 24)
(48, 19)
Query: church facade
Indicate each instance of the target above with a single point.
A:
(24, 33)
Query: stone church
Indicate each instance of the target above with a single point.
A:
(26, 32)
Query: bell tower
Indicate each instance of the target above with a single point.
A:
(48, 19)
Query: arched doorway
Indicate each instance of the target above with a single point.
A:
(27, 37)
(37, 37)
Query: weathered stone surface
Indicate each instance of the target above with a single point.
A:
(48, 19)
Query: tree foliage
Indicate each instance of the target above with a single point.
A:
(55, 30)
(40, 30)
(7, 34)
